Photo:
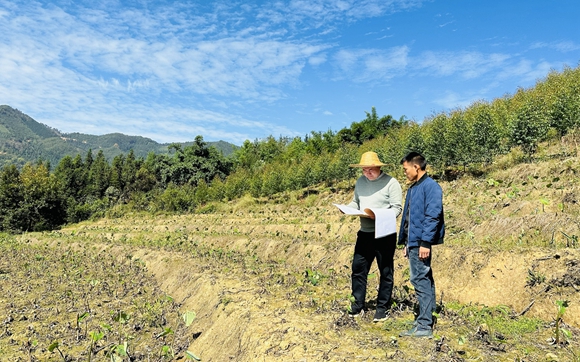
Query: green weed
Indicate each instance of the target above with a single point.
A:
(558, 330)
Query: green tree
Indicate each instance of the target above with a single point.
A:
(65, 173)
(117, 172)
(486, 133)
(42, 207)
(129, 172)
(295, 150)
(99, 176)
(89, 159)
(370, 127)
(191, 164)
(459, 141)
(415, 139)
(145, 180)
(314, 143)
(11, 197)
(564, 92)
(529, 127)
(247, 156)
(434, 131)
(270, 148)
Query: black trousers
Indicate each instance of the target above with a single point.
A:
(368, 248)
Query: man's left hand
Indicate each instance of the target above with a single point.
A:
(424, 253)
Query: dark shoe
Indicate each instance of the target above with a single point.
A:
(420, 333)
(423, 333)
(380, 316)
(354, 314)
(408, 333)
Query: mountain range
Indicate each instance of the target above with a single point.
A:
(22, 140)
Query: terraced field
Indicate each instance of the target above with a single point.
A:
(269, 280)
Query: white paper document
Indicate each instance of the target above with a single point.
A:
(385, 220)
(351, 211)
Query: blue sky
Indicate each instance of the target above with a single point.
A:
(233, 71)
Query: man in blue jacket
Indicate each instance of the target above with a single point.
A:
(422, 226)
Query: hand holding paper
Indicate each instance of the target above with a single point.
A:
(385, 220)
(351, 211)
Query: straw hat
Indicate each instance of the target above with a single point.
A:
(369, 159)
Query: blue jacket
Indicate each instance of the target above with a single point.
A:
(422, 222)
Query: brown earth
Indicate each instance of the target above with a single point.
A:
(269, 279)
(268, 311)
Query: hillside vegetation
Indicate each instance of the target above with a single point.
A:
(466, 140)
(22, 140)
(269, 279)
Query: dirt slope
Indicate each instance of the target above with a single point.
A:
(245, 272)
(270, 279)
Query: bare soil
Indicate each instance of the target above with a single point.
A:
(269, 280)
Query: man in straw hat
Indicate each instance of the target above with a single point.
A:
(374, 189)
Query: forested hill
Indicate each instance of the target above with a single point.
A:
(22, 140)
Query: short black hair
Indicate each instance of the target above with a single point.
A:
(416, 158)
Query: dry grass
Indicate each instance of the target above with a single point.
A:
(532, 204)
(246, 268)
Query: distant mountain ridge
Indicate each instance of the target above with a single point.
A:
(22, 140)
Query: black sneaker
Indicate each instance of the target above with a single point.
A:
(354, 314)
(380, 316)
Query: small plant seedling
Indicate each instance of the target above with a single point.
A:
(351, 300)
(534, 278)
(95, 337)
(558, 330)
(53, 346)
(167, 331)
(544, 202)
(120, 317)
(118, 352)
(313, 276)
(167, 351)
(80, 318)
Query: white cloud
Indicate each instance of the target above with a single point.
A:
(561, 46)
(526, 70)
(316, 13)
(72, 63)
(317, 59)
(230, 66)
(166, 124)
(566, 46)
(520, 71)
(371, 65)
(467, 64)
(453, 100)
(175, 70)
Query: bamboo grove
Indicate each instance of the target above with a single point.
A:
(37, 197)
